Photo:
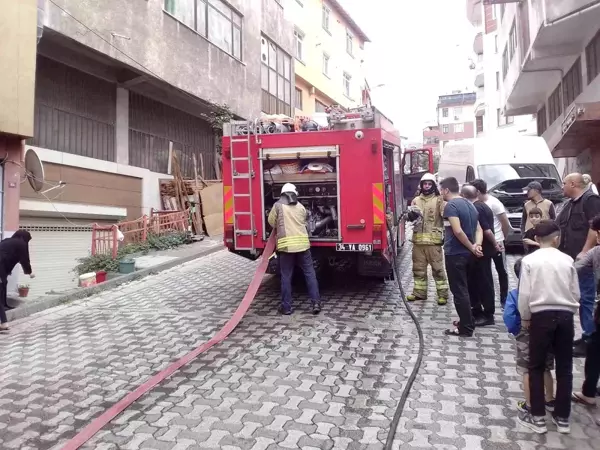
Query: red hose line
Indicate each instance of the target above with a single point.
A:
(101, 421)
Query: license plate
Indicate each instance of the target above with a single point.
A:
(354, 247)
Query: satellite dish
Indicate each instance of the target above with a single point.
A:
(34, 170)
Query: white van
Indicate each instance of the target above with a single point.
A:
(507, 164)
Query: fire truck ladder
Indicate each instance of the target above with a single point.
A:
(245, 128)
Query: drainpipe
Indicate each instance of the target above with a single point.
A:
(564, 17)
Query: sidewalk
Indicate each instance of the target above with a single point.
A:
(151, 263)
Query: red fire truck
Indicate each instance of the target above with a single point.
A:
(353, 178)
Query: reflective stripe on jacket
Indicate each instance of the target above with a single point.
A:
(290, 223)
(429, 229)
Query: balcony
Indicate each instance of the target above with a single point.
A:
(479, 75)
(549, 42)
(474, 11)
(480, 102)
(478, 44)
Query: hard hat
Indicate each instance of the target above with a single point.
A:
(428, 177)
(289, 187)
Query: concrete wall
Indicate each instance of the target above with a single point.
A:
(18, 19)
(150, 40)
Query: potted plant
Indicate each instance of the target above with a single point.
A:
(23, 290)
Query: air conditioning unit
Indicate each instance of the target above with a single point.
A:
(456, 118)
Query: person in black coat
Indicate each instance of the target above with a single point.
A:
(13, 251)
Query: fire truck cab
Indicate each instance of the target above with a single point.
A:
(350, 177)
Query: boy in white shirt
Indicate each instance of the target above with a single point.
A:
(548, 300)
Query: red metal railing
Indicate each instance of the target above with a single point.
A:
(105, 238)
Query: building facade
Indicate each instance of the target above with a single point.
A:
(551, 68)
(329, 53)
(490, 117)
(456, 117)
(121, 86)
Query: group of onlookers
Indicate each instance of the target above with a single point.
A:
(556, 279)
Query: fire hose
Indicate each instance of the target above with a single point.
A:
(413, 375)
(110, 414)
(101, 421)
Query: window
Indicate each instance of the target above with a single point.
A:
(299, 38)
(326, 16)
(459, 127)
(347, 79)
(444, 112)
(470, 176)
(554, 105)
(212, 19)
(325, 64)
(349, 43)
(458, 111)
(504, 63)
(298, 98)
(502, 120)
(502, 9)
(572, 84)
(542, 121)
(512, 41)
(497, 81)
(320, 107)
(592, 58)
(479, 124)
(445, 129)
(444, 143)
(275, 79)
(495, 43)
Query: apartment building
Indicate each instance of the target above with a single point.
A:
(490, 117)
(119, 87)
(431, 137)
(456, 117)
(551, 68)
(329, 53)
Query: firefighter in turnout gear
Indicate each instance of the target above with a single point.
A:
(426, 213)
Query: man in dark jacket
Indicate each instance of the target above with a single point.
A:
(13, 251)
(576, 239)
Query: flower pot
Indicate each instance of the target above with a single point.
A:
(23, 292)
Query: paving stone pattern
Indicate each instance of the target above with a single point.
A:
(331, 381)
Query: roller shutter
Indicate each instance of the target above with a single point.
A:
(55, 247)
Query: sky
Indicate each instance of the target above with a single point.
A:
(419, 49)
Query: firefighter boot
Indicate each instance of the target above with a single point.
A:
(436, 260)
(419, 259)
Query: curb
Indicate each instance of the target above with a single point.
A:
(81, 293)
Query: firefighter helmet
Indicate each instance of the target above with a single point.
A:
(289, 187)
(428, 177)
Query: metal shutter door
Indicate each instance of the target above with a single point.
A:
(53, 251)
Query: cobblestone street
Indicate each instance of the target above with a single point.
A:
(331, 381)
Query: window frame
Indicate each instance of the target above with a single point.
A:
(347, 80)
(349, 43)
(512, 42)
(445, 112)
(497, 81)
(325, 64)
(326, 18)
(572, 84)
(592, 58)
(208, 6)
(445, 129)
(280, 74)
(505, 62)
(298, 103)
(459, 127)
(299, 45)
(555, 105)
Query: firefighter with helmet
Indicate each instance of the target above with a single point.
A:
(426, 212)
(289, 219)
